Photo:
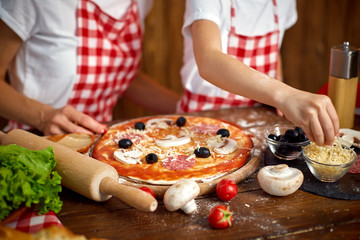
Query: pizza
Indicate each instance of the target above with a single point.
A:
(164, 149)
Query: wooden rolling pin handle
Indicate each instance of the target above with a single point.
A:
(130, 195)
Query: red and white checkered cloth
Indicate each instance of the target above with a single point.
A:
(108, 58)
(258, 52)
(30, 222)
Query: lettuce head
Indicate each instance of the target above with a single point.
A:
(27, 178)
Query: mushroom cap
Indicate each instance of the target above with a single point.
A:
(172, 141)
(180, 193)
(127, 157)
(280, 180)
(159, 123)
(349, 137)
(230, 145)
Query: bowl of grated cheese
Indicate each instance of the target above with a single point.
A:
(328, 163)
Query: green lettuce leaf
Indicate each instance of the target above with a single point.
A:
(27, 178)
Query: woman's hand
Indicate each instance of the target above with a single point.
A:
(314, 113)
(69, 120)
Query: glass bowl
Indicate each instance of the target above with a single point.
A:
(329, 172)
(284, 150)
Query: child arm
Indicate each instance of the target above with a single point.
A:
(314, 113)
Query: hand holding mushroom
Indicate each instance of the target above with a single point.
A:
(280, 180)
(181, 195)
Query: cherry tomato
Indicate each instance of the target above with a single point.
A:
(220, 216)
(148, 190)
(226, 189)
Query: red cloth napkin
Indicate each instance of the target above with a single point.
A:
(30, 222)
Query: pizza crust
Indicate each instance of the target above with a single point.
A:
(207, 184)
(206, 187)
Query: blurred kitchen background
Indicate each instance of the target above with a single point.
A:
(321, 25)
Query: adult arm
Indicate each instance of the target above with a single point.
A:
(314, 113)
(16, 106)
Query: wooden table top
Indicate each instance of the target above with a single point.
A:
(256, 214)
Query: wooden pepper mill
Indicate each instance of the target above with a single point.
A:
(343, 81)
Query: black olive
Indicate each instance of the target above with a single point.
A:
(299, 130)
(272, 136)
(180, 121)
(202, 152)
(302, 136)
(283, 139)
(151, 158)
(139, 126)
(279, 137)
(292, 135)
(283, 150)
(125, 143)
(223, 132)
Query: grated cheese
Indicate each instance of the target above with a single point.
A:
(334, 155)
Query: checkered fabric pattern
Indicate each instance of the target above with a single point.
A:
(192, 102)
(109, 55)
(258, 52)
(31, 222)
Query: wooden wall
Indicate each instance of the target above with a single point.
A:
(321, 25)
(306, 48)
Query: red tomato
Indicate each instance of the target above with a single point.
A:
(226, 189)
(220, 216)
(148, 190)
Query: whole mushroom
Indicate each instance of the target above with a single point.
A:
(280, 180)
(181, 195)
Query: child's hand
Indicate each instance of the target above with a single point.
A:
(69, 120)
(314, 113)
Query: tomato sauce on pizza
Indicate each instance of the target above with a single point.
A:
(165, 149)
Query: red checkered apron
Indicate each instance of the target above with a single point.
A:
(108, 59)
(258, 52)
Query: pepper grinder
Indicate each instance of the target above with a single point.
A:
(343, 81)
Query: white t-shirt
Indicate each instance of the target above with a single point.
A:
(45, 66)
(252, 18)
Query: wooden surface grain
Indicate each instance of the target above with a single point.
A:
(257, 215)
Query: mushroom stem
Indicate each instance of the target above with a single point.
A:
(189, 207)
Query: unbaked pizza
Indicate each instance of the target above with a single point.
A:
(163, 149)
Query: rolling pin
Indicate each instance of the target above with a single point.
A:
(89, 177)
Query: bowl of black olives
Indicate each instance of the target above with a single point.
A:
(285, 141)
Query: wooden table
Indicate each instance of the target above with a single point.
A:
(257, 215)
